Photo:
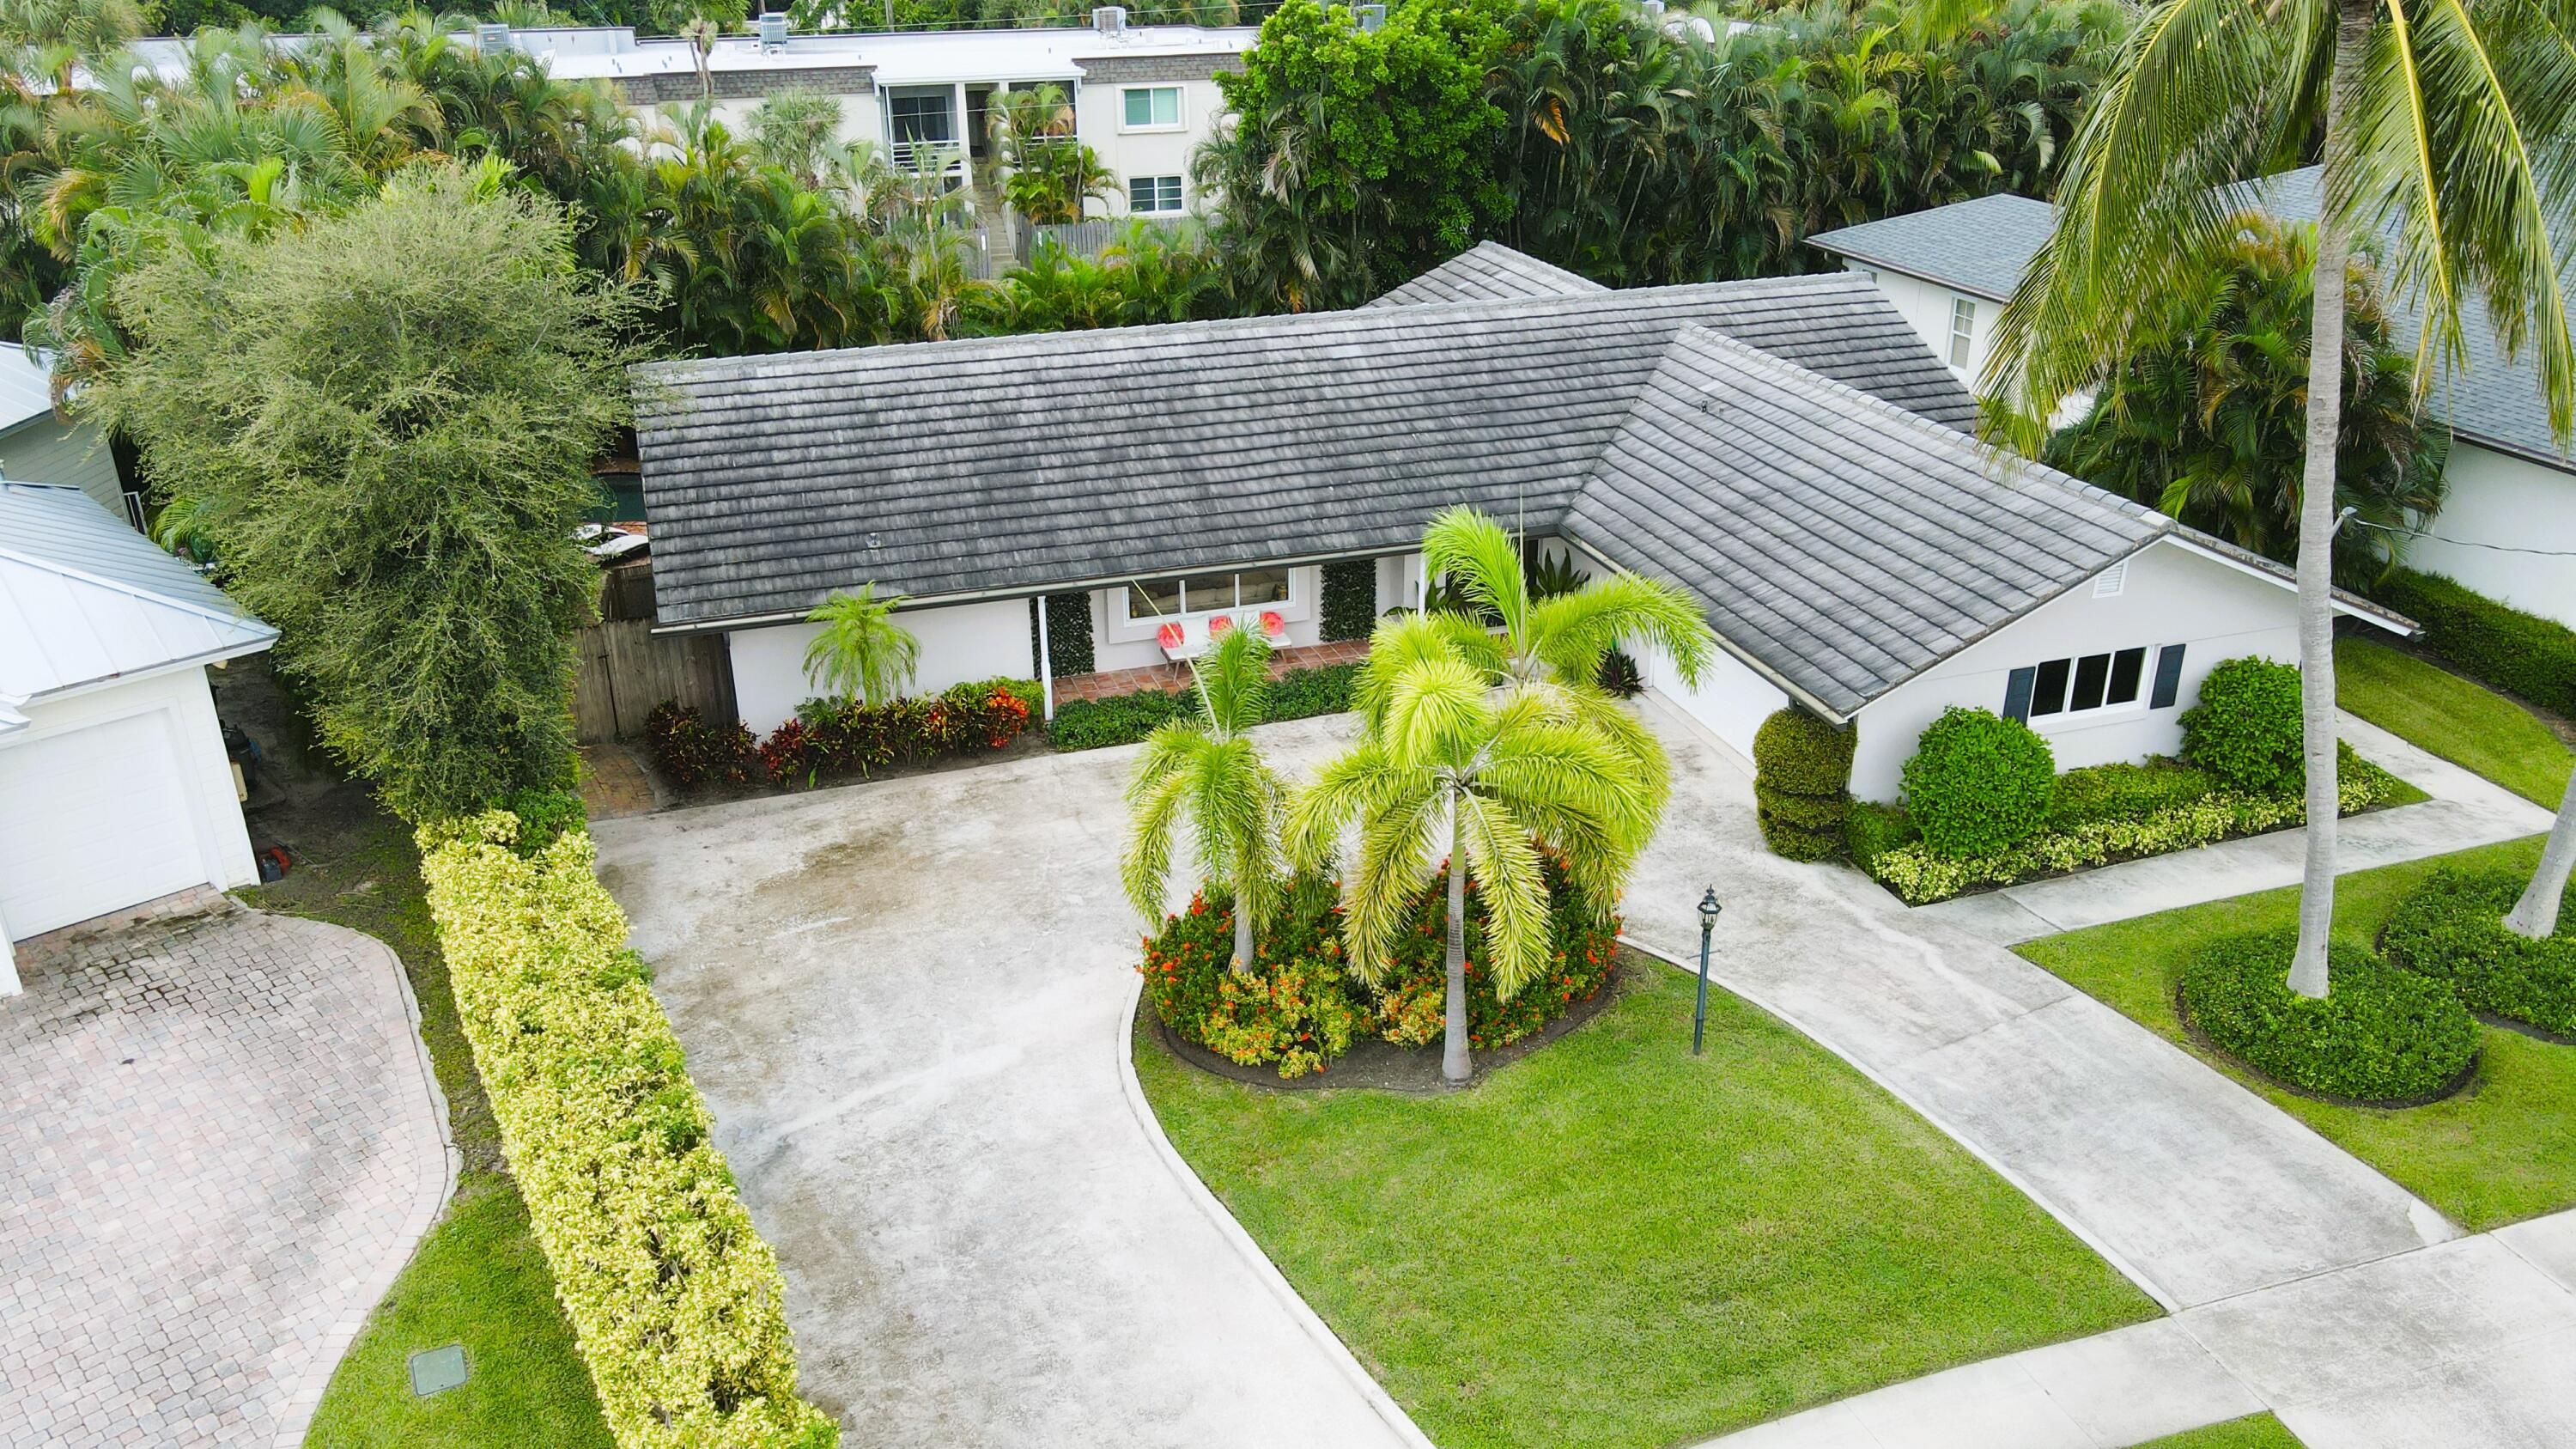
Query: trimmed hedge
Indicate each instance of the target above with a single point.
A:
(1802, 784)
(2379, 1035)
(2452, 928)
(691, 751)
(1068, 641)
(1350, 599)
(676, 1304)
(2128, 791)
(1123, 719)
(1920, 875)
(2495, 644)
(2246, 728)
(1978, 783)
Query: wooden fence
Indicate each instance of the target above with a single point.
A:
(626, 669)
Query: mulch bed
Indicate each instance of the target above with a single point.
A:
(1382, 1066)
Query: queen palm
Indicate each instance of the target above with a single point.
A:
(2442, 132)
(862, 652)
(1548, 649)
(1453, 774)
(1204, 769)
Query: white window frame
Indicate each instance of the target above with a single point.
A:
(1123, 594)
(2068, 713)
(1180, 201)
(1963, 330)
(1180, 109)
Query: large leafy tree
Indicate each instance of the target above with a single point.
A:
(2442, 126)
(1452, 776)
(1203, 773)
(2207, 418)
(384, 423)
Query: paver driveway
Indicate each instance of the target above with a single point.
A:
(903, 1002)
(220, 1141)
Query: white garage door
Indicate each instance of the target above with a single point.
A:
(94, 821)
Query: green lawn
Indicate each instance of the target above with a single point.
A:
(478, 1277)
(1611, 1243)
(2462, 722)
(2260, 1431)
(2502, 1150)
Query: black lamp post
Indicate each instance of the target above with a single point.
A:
(1708, 909)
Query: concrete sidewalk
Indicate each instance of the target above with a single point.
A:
(2461, 1346)
(2196, 1188)
(2466, 810)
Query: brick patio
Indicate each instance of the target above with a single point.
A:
(221, 1140)
(1172, 678)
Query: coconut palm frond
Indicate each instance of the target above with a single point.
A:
(1482, 563)
(1401, 641)
(1505, 865)
(1572, 632)
(1154, 800)
(1234, 681)
(862, 653)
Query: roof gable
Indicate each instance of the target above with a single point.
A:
(1488, 272)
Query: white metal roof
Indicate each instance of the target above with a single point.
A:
(84, 599)
(26, 386)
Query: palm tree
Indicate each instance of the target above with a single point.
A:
(1454, 776)
(2536, 914)
(2440, 132)
(1206, 768)
(1547, 649)
(862, 653)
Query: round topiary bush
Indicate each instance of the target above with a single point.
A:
(2379, 1035)
(1978, 782)
(2246, 729)
(1801, 784)
(2452, 928)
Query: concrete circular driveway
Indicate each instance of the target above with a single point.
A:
(221, 1140)
(903, 1001)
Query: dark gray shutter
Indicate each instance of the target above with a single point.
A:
(2168, 677)
(2017, 694)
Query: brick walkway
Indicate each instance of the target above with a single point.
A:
(1172, 678)
(221, 1139)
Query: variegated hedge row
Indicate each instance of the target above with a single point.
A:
(676, 1303)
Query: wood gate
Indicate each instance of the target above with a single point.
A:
(626, 669)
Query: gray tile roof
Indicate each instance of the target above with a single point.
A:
(1488, 272)
(1841, 544)
(1014, 464)
(1982, 247)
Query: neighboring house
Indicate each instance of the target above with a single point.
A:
(1784, 449)
(36, 443)
(114, 783)
(1144, 96)
(2508, 527)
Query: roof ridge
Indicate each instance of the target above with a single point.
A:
(70, 571)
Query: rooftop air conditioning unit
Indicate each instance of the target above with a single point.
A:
(1372, 17)
(773, 30)
(491, 39)
(1110, 19)
(1654, 8)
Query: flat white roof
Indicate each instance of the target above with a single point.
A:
(26, 386)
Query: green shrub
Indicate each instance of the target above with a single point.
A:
(1305, 693)
(2246, 729)
(1871, 830)
(1350, 599)
(2452, 928)
(2497, 645)
(2128, 791)
(1920, 875)
(1068, 640)
(1123, 719)
(1978, 782)
(676, 1304)
(691, 751)
(2378, 1035)
(847, 736)
(1802, 784)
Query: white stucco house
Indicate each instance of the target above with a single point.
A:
(1787, 450)
(2508, 526)
(1144, 96)
(114, 784)
(35, 442)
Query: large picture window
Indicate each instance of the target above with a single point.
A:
(1152, 599)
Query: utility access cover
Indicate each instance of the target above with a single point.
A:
(436, 1370)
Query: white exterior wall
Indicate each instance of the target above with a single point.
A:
(1100, 121)
(1121, 643)
(1730, 700)
(959, 642)
(2169, 595)
(43, 450)
(184, 708)
(2501, 499)
(1927, 305)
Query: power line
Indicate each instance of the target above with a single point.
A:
(2465, 542)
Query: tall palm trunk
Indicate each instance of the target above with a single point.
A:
(2308, 972)
(1243, 919)
(2536, 914)
(1454, 1064)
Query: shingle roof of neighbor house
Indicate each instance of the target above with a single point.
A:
(1488, 272)
(1982, 247)
(83, 598)
(1787, 449)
